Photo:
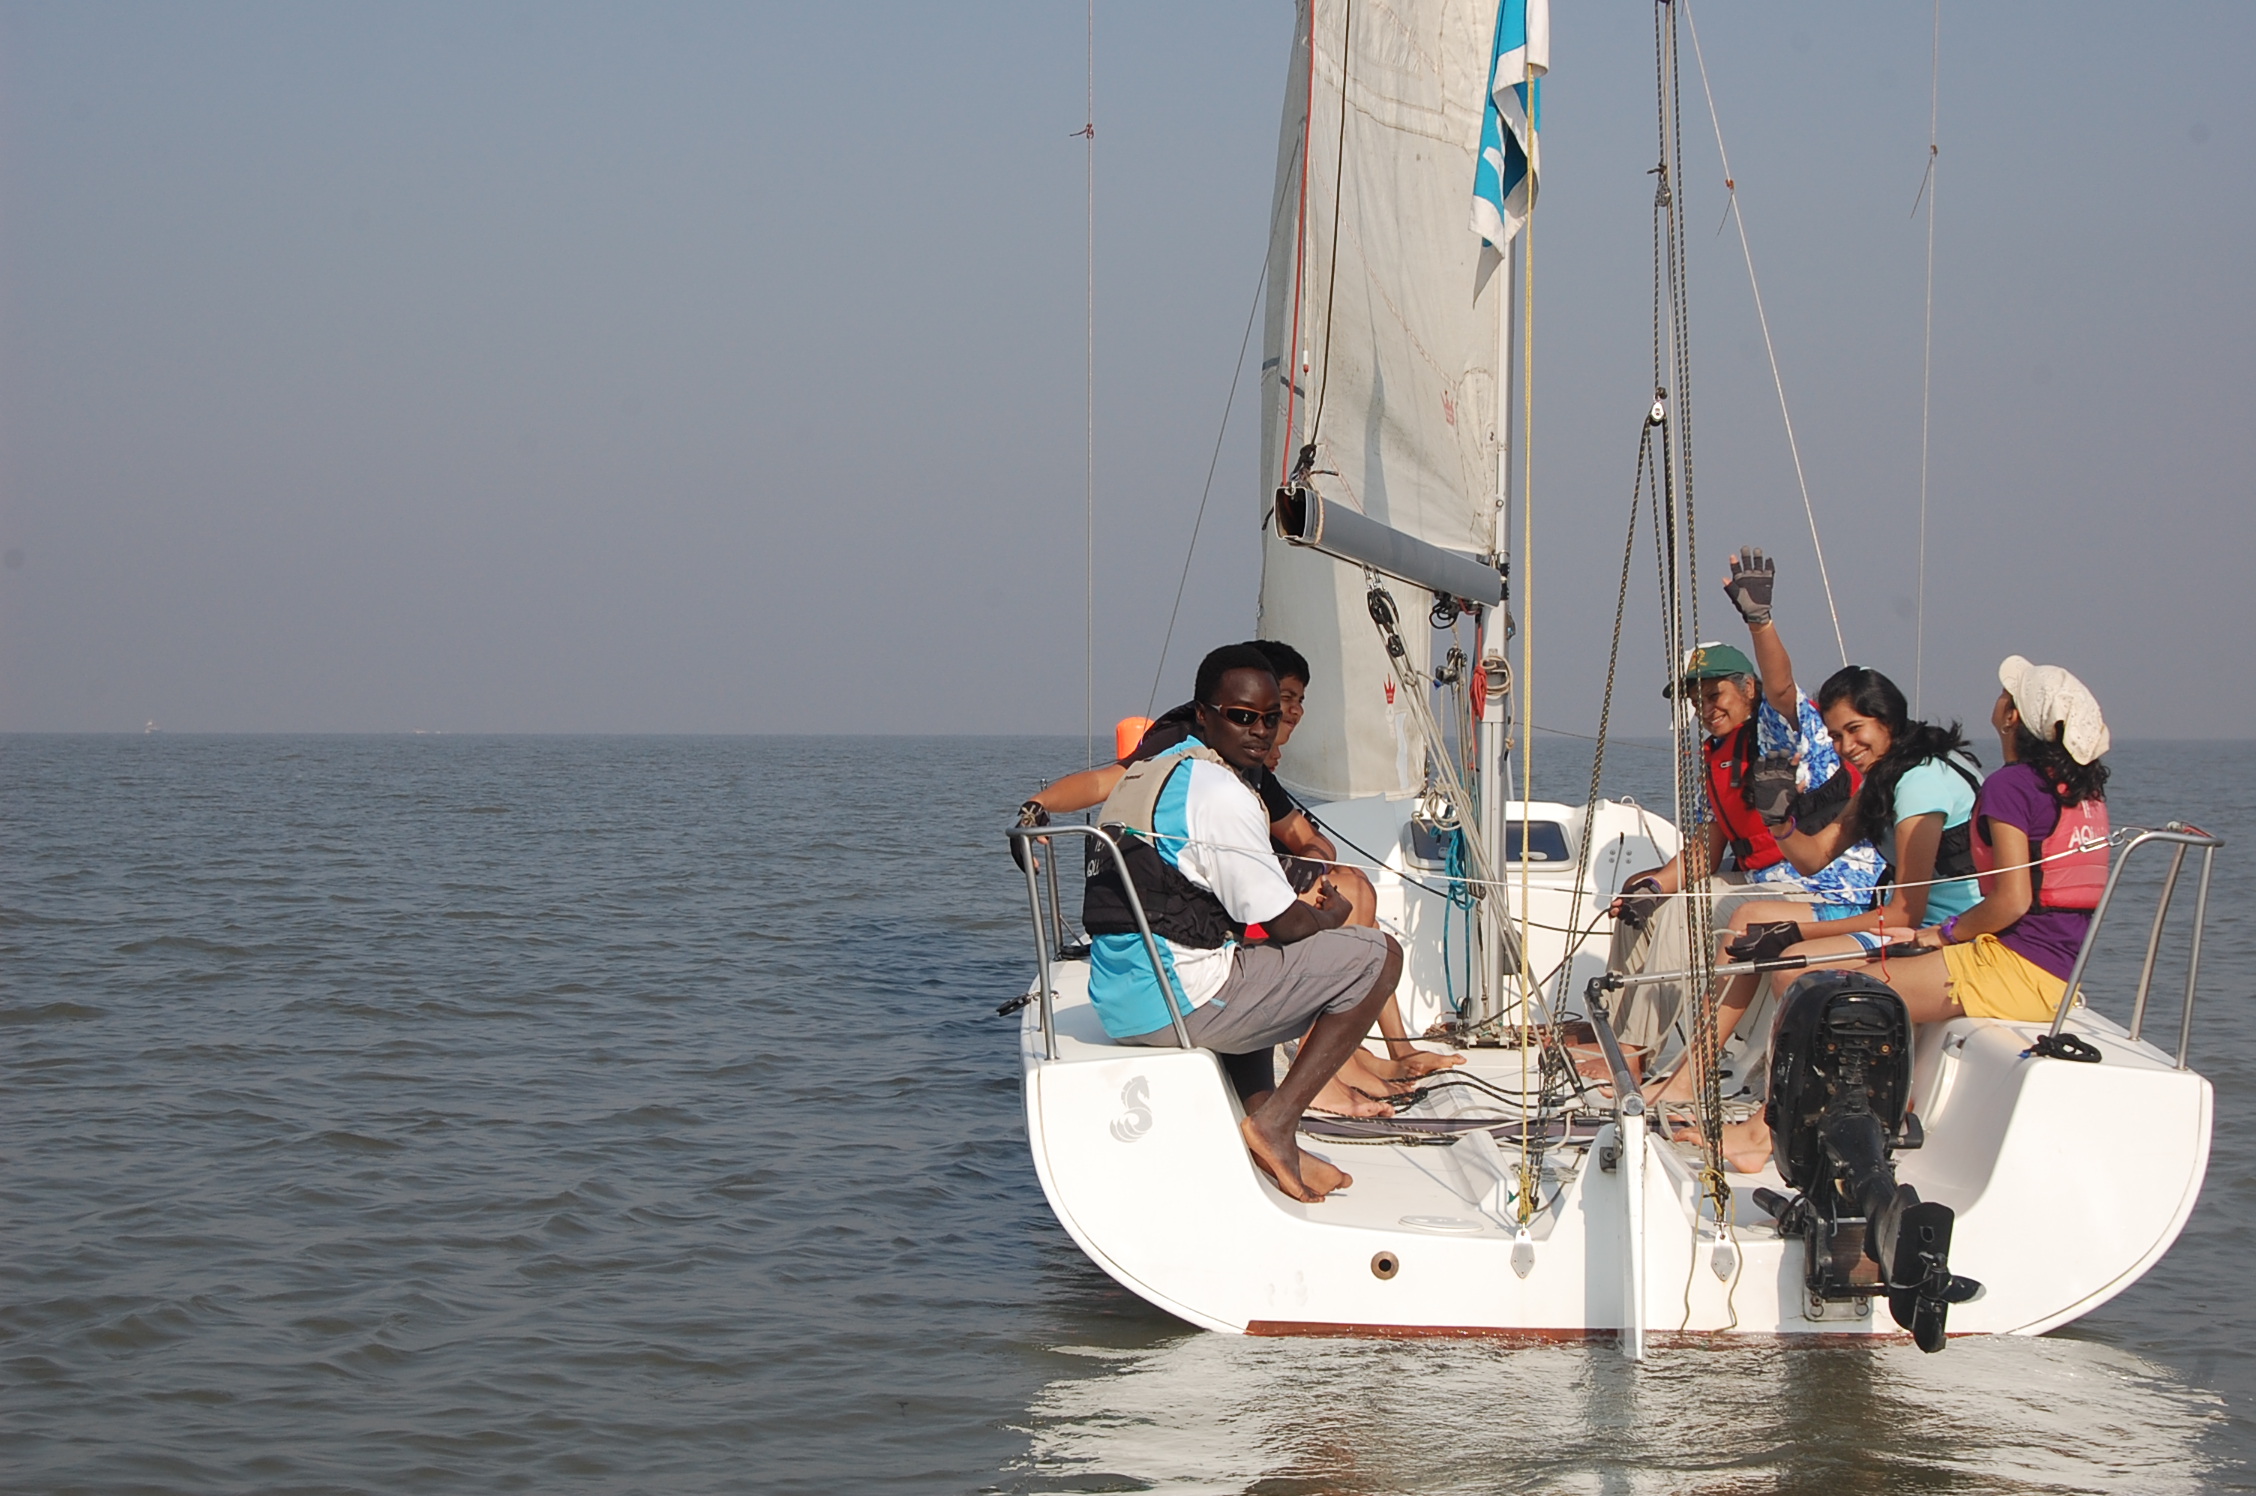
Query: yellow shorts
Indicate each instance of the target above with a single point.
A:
(1990, 981)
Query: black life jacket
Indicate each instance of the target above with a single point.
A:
(1955, 857)
(1176, 908)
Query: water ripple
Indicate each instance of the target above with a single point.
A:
(630, 1115)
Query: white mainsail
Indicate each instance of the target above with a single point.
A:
(1395, 345)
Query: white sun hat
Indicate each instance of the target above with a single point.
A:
(2048, 697)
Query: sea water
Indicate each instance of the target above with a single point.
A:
(631, 1114)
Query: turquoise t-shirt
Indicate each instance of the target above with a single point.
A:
(1925, 789)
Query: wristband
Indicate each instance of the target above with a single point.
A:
(1947, 929)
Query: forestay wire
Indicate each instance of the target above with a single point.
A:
(1237, 373)
(1733, 212)
(1229, 402)
(1088, 135)
(1927, 349)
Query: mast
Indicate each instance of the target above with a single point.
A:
(1494, 664)
(1503, 203)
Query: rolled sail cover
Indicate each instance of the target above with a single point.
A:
(1409, 414)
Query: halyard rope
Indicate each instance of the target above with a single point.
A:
(1681, 596)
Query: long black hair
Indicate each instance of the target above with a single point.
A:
(1910, 743)
(2073, 782)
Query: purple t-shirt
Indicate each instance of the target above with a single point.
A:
(2018, 795)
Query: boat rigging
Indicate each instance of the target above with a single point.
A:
(1917, 1181)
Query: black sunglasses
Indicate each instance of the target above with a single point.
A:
(1246, 716)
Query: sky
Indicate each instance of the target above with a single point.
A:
(684, 368)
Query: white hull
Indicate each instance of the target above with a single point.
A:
(2069, 1182)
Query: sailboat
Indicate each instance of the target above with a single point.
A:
(1524, 1199)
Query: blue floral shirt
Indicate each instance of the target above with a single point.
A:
(1849, 879)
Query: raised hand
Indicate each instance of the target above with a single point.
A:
(1753, 574)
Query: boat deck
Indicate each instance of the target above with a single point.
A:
(1462, 1184)
(1466, 1184)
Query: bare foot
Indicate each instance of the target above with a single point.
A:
(1412, 1065)
(1370, 1076)
(1677, 1088)
(1278, 1155)
(1343, 1100)
(1746, 1146)
(1322, 1175)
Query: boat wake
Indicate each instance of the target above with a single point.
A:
(1216, 1413)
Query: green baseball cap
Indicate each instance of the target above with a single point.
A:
(1713, 662)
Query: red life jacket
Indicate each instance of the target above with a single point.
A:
(1752, 844)
(2070, 863)
(1729, 758)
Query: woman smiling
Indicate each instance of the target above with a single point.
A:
(1916, 805)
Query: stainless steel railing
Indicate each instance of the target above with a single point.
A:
(2179, 836)
(1053, 921)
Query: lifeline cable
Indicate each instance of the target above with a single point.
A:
(2116, 837)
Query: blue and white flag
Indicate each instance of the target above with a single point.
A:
(1504, 183)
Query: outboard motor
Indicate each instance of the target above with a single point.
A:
(1840, 1079)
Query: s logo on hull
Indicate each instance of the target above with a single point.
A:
(1136, 1118)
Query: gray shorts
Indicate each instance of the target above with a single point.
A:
(1274, 992)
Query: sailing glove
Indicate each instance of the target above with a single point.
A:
(1638, 901)
(1753, 574)
(1029, 814)
(1818, 808)
(1770, 790)
(1764, 942)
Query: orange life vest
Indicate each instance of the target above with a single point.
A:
(2070, 864)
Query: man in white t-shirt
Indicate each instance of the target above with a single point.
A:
(1214, 874)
